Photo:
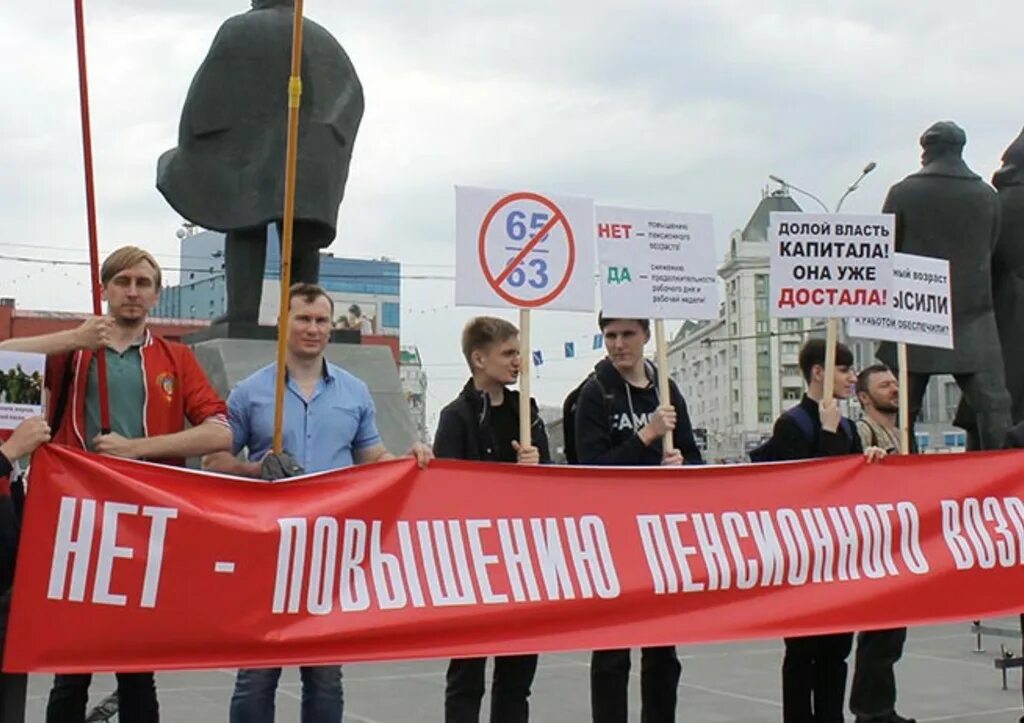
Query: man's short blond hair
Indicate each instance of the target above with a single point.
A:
(124, 258)
(482, 331)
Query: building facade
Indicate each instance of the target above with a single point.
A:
(414, 384)
(740, 372)
(364, 290)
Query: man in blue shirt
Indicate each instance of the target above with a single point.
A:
(329, 423)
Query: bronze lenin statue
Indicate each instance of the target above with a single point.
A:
(946, 211)
(227, 172)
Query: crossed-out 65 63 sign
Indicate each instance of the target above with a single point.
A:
(527, 249)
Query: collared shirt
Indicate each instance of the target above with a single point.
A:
(321, 432)
(127, 394)
(873, 434)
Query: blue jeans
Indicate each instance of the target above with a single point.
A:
(253, 699)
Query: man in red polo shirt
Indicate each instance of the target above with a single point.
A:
(155, 387)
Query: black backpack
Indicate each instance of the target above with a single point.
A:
(569, 407)
(768, 452)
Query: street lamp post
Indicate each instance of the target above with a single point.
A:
(832, 328)
(850, 189)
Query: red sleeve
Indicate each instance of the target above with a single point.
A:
(201, 400)
(56, 368)
(55, 364)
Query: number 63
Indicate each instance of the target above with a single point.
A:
(538, 279)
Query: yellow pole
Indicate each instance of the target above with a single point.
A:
(294, 101)
(904, 382)
(661, 354)
(831, 341)
(525, 438)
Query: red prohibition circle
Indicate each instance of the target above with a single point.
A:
(482, 249)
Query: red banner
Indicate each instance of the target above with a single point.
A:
(130, 566)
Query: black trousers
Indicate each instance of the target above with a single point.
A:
(13, 686)
(659, 685)
(814, 678)
(983, 392)
(136, 697)
(510, 689)
(873, 692)
(245, 253)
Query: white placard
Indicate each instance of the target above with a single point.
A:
(656, 264)
(523, 250)
(830, 265)
(920, 305)
(21, 387)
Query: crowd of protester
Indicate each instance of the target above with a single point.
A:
(616, 416)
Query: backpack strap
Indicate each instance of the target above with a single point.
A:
(803, 421)
(606, 397)
(871, 431)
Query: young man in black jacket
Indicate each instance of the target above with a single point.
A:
(814, 666)
(620, 420)
(482, 424)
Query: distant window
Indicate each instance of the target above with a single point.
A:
(391, 314)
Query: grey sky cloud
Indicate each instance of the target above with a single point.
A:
(655, 103)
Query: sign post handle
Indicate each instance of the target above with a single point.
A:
(664, 394)
(525, 368)
(288, 222)
(831, 341)
(904, 382)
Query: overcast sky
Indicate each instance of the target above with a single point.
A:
(679, 104)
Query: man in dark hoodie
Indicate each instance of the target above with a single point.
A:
(482, 424)
(24, 440)
(621, 421)
(814, 666)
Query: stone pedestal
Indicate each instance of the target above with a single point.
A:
(228, 361)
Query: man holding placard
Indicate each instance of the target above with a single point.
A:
(621, 419)
(482, 424)
(814, 666)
